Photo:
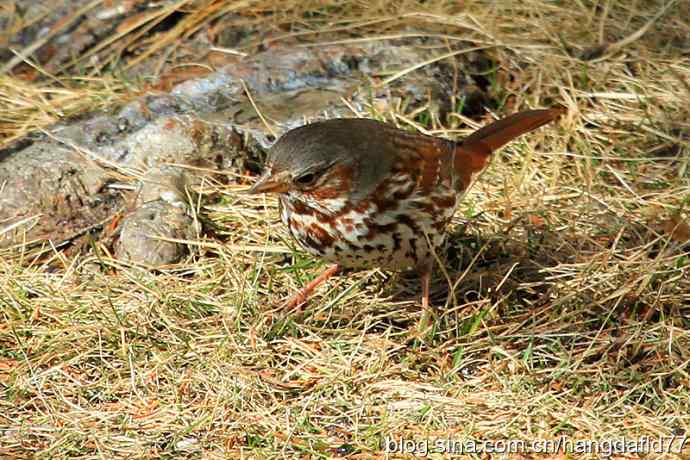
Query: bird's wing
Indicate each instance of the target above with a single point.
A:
(434, 160)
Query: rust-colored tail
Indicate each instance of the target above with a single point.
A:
(472, 153)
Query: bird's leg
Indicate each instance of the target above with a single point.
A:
(424, 271)
(425, 278)
(306, 291)
(427, 313)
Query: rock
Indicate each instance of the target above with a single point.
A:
(51, 192)
(143, 234)
(164, 183)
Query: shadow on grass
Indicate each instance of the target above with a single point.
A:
(547, 280)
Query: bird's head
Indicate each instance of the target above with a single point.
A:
(323, 160)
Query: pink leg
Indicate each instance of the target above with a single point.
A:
(305, 292)
(425, 323)
(426, 288)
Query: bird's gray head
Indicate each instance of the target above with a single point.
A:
(326, 159)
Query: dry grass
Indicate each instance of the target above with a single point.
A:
(565, 310)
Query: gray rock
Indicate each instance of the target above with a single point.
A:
(51, 192)
(164, 183)
(143, 235)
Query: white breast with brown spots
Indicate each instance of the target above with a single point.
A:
(392, 231)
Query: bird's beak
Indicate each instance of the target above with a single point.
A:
(271, 183)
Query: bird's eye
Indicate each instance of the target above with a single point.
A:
(306, 179)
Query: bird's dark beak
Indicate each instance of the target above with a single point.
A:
(271, 183)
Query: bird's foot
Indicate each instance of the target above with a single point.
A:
(303, 295)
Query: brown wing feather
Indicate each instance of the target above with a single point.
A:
(472, 153)
(434, 160)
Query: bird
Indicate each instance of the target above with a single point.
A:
(362, 194)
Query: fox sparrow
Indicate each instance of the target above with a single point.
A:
(363, 194)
